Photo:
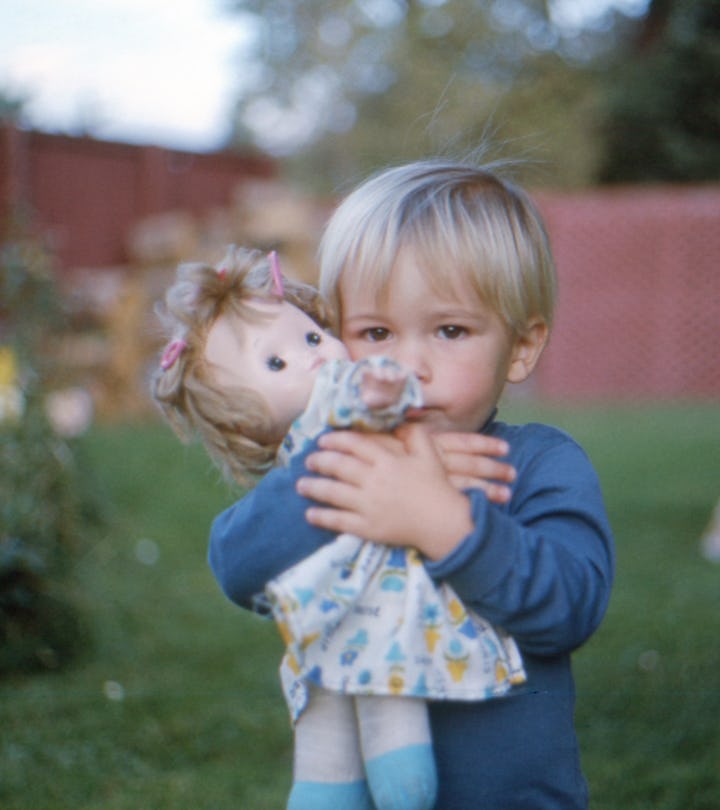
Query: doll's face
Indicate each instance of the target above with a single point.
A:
(278, 356)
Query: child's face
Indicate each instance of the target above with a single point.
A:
(459, 348)
(278, 357)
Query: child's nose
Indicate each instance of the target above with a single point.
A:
(412, 356)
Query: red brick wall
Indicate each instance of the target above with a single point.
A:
(639, 304)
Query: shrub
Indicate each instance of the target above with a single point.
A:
(41, 513)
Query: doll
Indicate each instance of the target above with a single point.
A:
(369, 636)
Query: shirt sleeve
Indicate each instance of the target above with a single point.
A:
(263, 534)
(542, 567)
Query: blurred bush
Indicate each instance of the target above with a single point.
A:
(44, 507)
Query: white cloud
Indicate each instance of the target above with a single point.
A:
(126, 68)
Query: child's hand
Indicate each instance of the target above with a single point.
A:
(382, 387)
(471, 462)
(387, 489)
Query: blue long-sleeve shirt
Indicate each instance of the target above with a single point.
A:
(540, 566)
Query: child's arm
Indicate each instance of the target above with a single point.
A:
(262, 535)
(541, 568)
(266, 532)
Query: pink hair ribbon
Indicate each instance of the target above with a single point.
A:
(171, 354)
(277, 287)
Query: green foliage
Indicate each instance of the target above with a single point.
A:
(42, 508)
(345, 87)
(663, 109)
(39, 532)
(181, 705)
(30, 311)
(342, 88)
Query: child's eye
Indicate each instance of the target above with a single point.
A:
(276, 363)
(452, 332)
(376, 334)
(313, 338)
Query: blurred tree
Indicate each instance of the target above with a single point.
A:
(47, 504)
(662, 119)
(343, 86)
(11, 106)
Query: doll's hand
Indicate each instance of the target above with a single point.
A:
(382, 387)
(387, 489)
(471, 462)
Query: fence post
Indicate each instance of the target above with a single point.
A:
(14, 194)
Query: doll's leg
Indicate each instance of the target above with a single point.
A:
(328, 770)
(397, 749)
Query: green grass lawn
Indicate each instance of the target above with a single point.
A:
(176, 703)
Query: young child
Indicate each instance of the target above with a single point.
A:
(446, 269)
(359, 619)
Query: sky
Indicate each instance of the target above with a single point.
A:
(165, 72)
(143, 71)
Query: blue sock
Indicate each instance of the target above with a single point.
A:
(403, 779)
(330, 796)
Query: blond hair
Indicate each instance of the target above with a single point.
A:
(461, 222)
(235, 425)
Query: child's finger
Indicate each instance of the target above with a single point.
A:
(329, 492)
(478, 467)
(417, 438)
(470, 443)
(334, 520)
(340, 466)
(364, 446)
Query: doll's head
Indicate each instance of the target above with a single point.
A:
(226, 327)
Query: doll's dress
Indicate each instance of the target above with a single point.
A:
(360, 618)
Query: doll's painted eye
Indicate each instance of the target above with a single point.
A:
(313, 338)
(276, 363)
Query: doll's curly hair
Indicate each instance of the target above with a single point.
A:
(234, 425)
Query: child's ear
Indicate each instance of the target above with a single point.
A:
(527, 350)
